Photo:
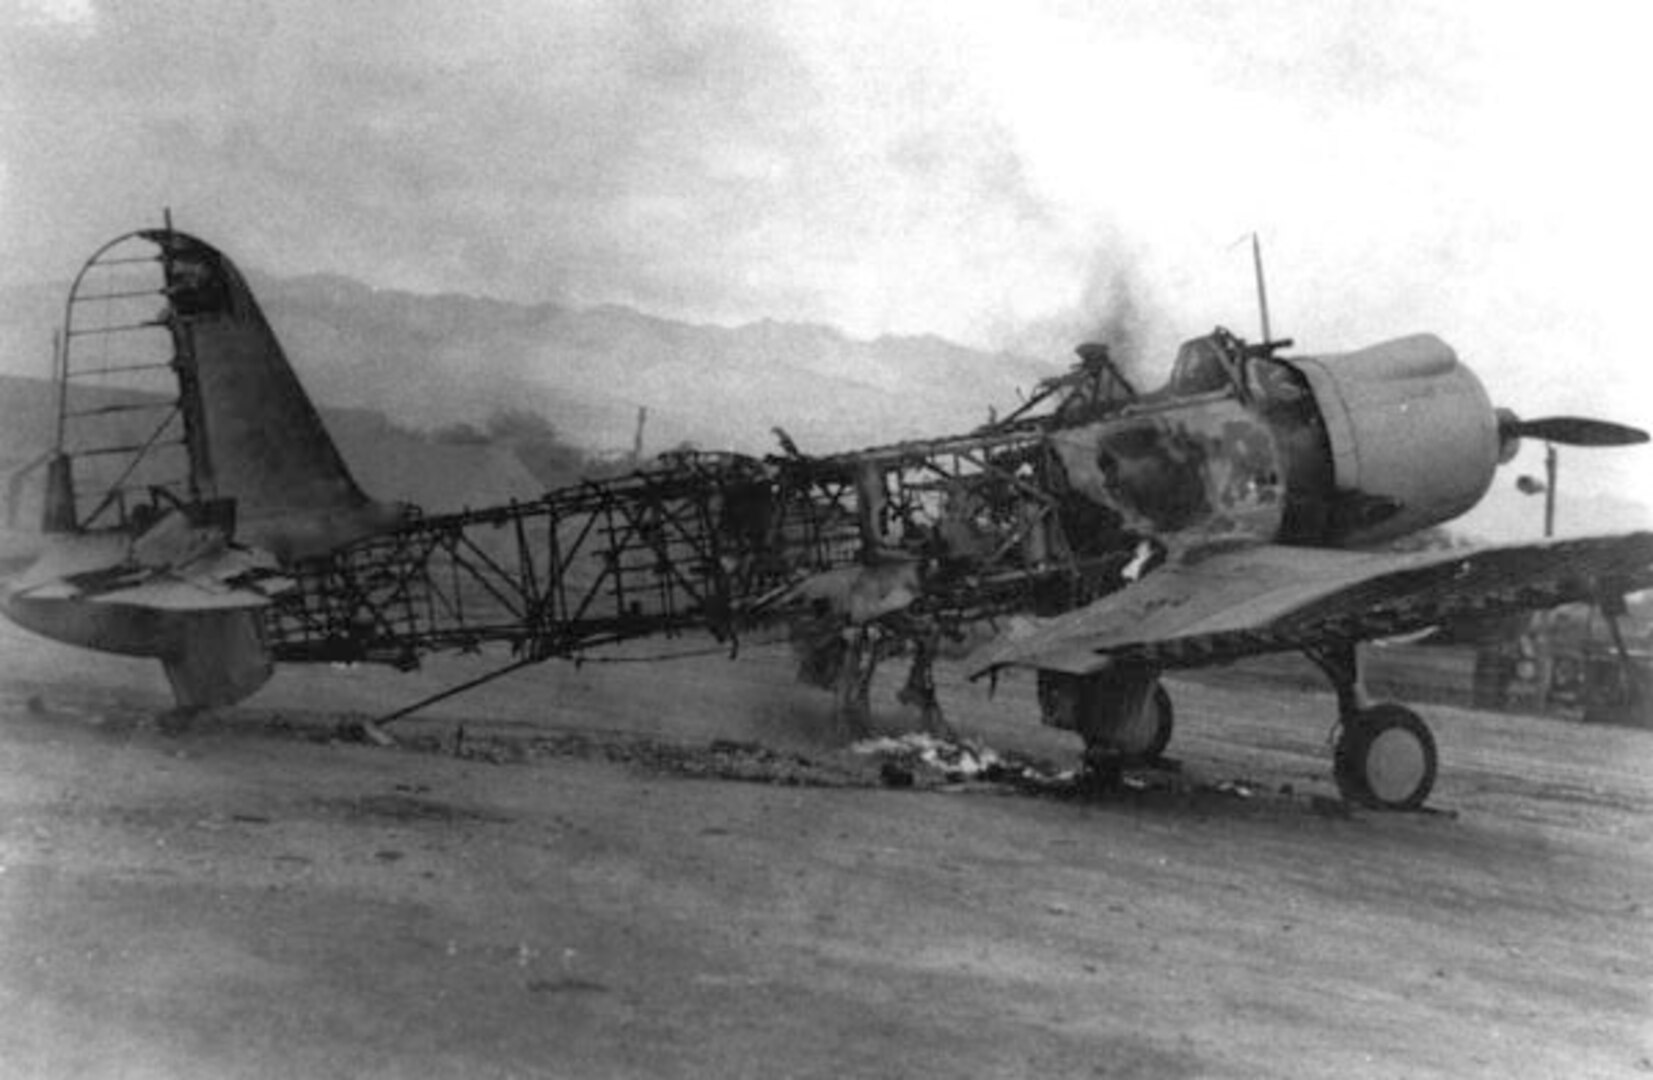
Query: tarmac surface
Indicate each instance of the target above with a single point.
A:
(677, 869)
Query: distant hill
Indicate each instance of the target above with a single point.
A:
(431, 361)
(389, 462)
(380, 362)
(435, 360)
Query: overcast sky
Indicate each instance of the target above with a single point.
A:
(1003, 174)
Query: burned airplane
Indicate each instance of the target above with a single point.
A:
(196, 511)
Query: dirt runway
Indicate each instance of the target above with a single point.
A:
(252, 899)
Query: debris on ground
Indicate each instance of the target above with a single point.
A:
(919, 761)
(924, 760)
(722, 759)
(952, 761)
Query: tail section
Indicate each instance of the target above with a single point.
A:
(220, 659)
(183, 439)
(196, 405)
(262, 443)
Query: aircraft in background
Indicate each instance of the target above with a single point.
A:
(1239, 510)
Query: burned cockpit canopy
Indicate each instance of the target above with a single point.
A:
(1202, 366)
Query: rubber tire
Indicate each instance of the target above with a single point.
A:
(1352, 763)
(1167, 724)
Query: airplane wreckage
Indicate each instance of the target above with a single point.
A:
(1112, 535)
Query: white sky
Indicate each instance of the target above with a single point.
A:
(1003, 174)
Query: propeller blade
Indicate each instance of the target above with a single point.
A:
(1574, 431)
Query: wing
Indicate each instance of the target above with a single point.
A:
(1269, 598)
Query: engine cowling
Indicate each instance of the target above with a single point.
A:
(1412, 436)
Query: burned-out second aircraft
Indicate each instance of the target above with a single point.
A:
(1111, 535)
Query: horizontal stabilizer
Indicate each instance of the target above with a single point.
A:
(174, 594)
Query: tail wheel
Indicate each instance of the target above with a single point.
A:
(1385, 758)
(1164, 722)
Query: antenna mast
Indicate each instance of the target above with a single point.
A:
(1262, 288)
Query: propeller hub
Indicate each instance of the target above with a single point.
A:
(1509, 443)
(1565, 430)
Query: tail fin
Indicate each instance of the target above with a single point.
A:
(256, 436)
(264, 442)
(195, 405)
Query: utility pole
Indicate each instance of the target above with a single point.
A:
(637, 436)
(1528, 485)
(1549, 489)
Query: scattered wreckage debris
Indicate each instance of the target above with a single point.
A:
(924, 760)
(917, 761)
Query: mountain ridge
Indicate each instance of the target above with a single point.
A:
(432, 360)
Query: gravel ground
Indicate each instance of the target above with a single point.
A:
(677, 870)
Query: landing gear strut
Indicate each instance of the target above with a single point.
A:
(1384, 755)
(919, 692)
(863, 648)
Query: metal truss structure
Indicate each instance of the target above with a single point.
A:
(123, 410)
(980, 522)
(699, 541)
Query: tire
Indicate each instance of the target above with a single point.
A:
(1385, 758)
(1165, 723)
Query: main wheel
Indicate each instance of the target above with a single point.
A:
(1385, 758)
